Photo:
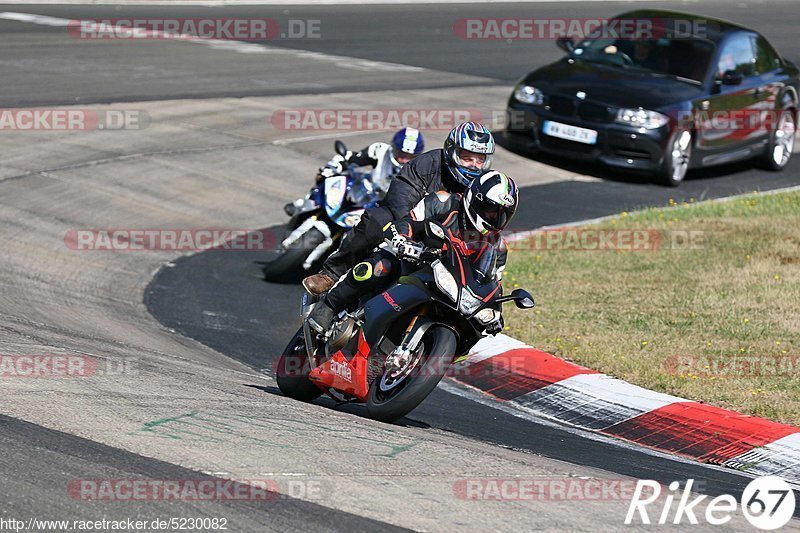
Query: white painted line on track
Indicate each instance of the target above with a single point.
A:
(224, 3)
(242, 47)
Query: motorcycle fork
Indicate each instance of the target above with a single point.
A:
(411, 338)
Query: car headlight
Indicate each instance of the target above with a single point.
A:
(528, 94)
(487, 316)
(469, 303)
(642, 118)
(445, 280)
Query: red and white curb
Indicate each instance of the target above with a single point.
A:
(542, 384)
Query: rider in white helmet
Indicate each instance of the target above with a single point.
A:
(386, 160)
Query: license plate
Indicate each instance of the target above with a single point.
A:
(570, 133)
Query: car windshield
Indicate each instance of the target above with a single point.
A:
(687, 59)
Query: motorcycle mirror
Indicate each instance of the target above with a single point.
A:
(523, 299)
(340, 148)
(435, 232)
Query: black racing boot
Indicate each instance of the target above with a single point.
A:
(321, 318)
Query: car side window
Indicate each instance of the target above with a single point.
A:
(766, 57)
(737, 54)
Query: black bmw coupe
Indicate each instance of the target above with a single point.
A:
(684, 92)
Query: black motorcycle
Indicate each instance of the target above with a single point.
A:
(392, 349)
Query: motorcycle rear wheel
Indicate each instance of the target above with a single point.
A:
(438, 349)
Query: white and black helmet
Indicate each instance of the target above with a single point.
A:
(490, 202)
(472, 137)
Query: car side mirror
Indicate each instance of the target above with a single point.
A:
(566, 44)
(521, 297)
(340, 148)
(732, 77)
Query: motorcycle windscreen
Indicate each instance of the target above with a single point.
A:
(483, 258)
(335, 191)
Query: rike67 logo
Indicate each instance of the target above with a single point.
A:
(768, 503)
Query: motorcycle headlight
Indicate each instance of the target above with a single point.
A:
(445, 280)
(642, 118)
(469, 303)
(487, 316)
(528, 94)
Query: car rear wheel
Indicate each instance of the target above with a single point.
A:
(781, 141)
(676, 160)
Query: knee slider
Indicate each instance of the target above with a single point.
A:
(362, 271)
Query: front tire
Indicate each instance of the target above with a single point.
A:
(676, 159)
(436, 352)
(288, 267)
(293, 369)
(781, 142)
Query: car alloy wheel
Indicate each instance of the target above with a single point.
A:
(676, 159)
(681, 152)
(783, 145)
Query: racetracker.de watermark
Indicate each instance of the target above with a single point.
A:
(372, 119)
(600, 240)
(731, 366)
(48, 366)
(742, 123)
(544, 489)
(232, 29)
(180, 240)
(197, 490)
(523, 28)
(72, 119)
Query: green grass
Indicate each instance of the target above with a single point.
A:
(734, 296)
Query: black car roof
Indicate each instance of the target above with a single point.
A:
(713, 29)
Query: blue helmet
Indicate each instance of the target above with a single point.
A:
(472, 137)
(406, 142)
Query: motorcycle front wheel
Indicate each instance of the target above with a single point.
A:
(288, 267)
(397, 392)
(293, 369)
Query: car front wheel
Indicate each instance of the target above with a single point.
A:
(781, 141)
(676, 160)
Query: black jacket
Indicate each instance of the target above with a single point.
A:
(422, 175)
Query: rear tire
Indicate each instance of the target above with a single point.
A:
(288, 267)
(781, 142)
(438, 349)
(293, 369)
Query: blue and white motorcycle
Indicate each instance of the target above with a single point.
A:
(317, 225)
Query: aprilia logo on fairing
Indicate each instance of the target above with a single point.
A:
(342, 370)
